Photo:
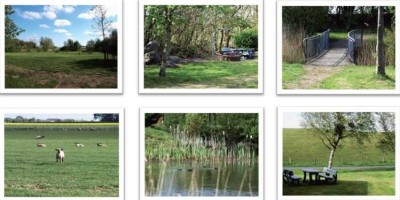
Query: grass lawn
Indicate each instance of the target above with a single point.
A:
(303, 149)
(343, 35)
(349, 183)
(90, 171)
(63, 69)
(291, 73)
(359, 77)
(208, 74)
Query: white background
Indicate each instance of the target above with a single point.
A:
(131, 100)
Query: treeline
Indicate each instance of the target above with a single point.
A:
(201, 30)
(227, 134)
(99, 117)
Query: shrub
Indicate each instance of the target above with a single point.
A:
(292, 45)
(247, 39)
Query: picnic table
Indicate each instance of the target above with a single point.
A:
(311, 172)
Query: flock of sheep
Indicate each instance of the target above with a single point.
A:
(60, 151)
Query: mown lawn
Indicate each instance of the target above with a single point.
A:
(90, 171)
(64, 69)
(291, 73)
(301, 148)
(207, 74)
(360, 77)
(376, 182)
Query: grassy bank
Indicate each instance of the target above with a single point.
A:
(87, 172)
(291, 73)
(63, 69)
(349, 183)
(300, 148)
(208, 74)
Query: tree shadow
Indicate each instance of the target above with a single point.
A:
(340, 188)
(92, 64)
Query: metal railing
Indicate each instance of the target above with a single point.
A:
(315, 45)
(355, 38)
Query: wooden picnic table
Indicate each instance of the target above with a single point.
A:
(311, 172)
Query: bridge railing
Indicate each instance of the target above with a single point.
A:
(355, 38)
(315, 45)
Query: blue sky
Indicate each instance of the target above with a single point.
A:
(58, 116)
(59, 22)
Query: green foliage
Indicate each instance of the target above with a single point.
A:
(46, 43)
(291, 74)
(11, 29)
(389, 41)
(91, 171)
(312, 18)
(211, 74)
(247, 39)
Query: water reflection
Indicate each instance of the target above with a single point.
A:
(193, 178)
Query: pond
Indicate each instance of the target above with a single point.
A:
(193, 178)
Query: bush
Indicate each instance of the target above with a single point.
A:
(247, 39)
(366, 55)
(292, 45)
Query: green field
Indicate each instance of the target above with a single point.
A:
(300, 148)
(61, 70)
(206, 74)
(349, 183)
(90, 171)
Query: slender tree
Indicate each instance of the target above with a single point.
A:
(333, 127)
(387, 125)
(380, 62)
(168, 14)
(102, 24)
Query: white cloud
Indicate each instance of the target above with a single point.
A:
(68, 34)
(69, 9)
(49, 15)
(62, 22)
(111, 12)
(59, 8)
(44, 26)
(31, 15)
(60, 31)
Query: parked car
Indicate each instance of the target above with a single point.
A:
(226, 51)
(246, 53)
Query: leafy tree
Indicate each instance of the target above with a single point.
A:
(247, 39)
(90, 46)
(380, 58)
(333, 127)
(387, 124)
(311, 18)
(11, 30)
(46, 43)
(77, 46)
(112, 117)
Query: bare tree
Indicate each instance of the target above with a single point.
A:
(102, 24)
(168, 14)
(380, 62)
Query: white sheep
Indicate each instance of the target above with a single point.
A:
(101, 145)
(60, 155)
(39, 137)
(41, 145)
(79, 145)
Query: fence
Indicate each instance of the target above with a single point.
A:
(315, 45)
(355, 38)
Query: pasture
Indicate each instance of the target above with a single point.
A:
(59, 70)
(88, 171)
(205, 74)
(301, 149)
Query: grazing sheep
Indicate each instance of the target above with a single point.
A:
(41, 145)
(79, 129)
(39, 137)
(101, 145)
(92, 129)
(79, 145)
(60, 155)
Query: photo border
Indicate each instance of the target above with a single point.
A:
(281, 3)
(282, 110)
(118, 90)
(261, 142)
(259, 90)
(61, 111)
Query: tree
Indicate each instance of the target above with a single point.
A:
(112, 117)
(76, 46)
(387, 124)
(102, 24)
(380, 62)
(168, 14)
(247, 39)
(46, 43)
(333, 127)
(90, 46)
(11, 30)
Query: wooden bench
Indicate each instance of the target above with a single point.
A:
(328, 175)
(290, 178)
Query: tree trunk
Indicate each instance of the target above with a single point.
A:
(214, 41)
(167, 39)
(380, 62)
(228, 35)
(332, 154)
(222, 39)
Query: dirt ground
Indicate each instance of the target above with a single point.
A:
(313, 76)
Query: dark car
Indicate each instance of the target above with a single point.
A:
(226, 51)
(246, 53)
